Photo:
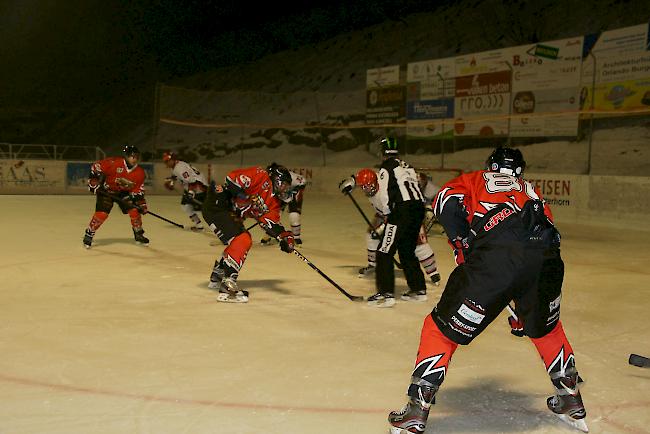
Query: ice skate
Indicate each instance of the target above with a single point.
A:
(267, 241)
(297, 241)
(139, 237)
(230, 292)
(88, 238)
(366, 271)
(567, 402)
(381, 300)
(216, 277)
(412, 418)
(435, 278)
(415, 295)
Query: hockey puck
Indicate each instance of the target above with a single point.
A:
(640, 361)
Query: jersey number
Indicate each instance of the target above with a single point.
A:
(496, 182)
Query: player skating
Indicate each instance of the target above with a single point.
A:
(194, 187)
(291, 199)
(429, 190)
(506, 248)
(367, 180)
(250, 192)
(121, 180)
(399, 199)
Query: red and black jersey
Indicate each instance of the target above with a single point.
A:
(118, 176)
(476, 202)
(253, 196)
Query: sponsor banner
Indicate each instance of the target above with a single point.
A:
(481, 63)
(621, 83)
(430, 109)
(386, 105)
(432, 129)
(32, 177)
(382, 77)
(617, 41)
(567, 195)
(482, 104)
(545, 88)
(435, 78)
(551, 112)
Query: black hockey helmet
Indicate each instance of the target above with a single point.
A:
(506, 160)
(129, 150)
(389, 146)
(281, 180)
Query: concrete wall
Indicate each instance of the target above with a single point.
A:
(571, 197)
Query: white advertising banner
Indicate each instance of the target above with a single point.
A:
(545, 88)
(482, 96)
(430, 98)
(618, 41)
(381, 77)
(32, 177)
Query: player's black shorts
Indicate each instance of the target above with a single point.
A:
(295, 205)
(105, 203)
(218, 213)
(496, 271)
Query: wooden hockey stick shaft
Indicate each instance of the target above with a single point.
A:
(120, 200)
(326, 277)
(354, 201)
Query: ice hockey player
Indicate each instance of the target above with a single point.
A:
(399, 199)
(367, 180)
(429, 190)
(249, 192)
(121, 178)
(194, 187)
(507, 248)
(292, 199)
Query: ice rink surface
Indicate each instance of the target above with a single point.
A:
(128, 339)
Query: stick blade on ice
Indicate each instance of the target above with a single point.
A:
(640, 361)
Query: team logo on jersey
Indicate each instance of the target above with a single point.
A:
(497, 218)
(244, 181)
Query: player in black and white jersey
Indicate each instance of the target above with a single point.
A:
(291, 199)
(401, 201)
(366, 179)
(194, 185)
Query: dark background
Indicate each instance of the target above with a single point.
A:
(82, 72)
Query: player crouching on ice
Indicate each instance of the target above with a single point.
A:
(292, 199)
(507, 248)
(194, 187)
(121, 180)
(250, 192)
(367, 180)
(399, 199)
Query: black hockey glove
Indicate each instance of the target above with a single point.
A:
(95, 182)
(287, 243)
(347, 185)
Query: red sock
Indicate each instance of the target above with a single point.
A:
(235, 253)
(555, 350)
(96, 221)
(434, 353)
(136, 220)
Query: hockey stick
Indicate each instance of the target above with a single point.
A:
(640, 361)
(120, 200)
(343, 291)
(354, 201)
